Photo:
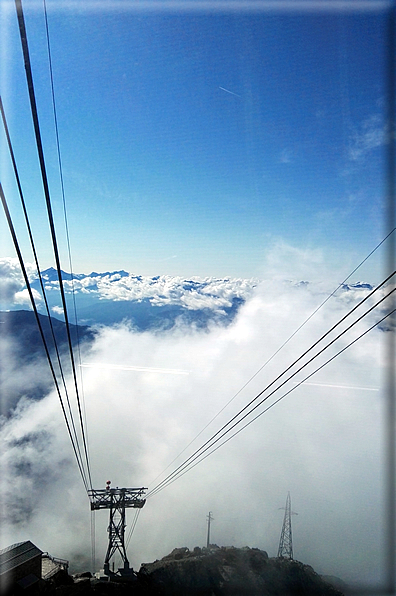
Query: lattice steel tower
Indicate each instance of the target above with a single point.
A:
(117, 500)
(209, 518)
(285, 550)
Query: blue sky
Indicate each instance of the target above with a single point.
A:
(167, 172)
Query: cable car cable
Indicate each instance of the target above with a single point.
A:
(288, 368)
(209, 443)
(276, 352)
(29, 289)
(131, 531)
(65, 211)
(274, 403)
(33, 105)
(16, 173)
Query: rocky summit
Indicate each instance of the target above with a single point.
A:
(217, 571)
(229, 570)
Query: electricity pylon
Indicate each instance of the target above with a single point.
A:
(209, 517)
(285, 550)
(117, 500)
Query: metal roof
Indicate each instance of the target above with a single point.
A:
(16, 554)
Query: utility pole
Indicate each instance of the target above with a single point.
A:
(285, 550)
(209, 517)
(117, 500)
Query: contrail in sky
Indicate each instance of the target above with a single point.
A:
(231, 92)
(168, 371)
(339, 386)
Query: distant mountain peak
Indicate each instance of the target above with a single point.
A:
(121, 273)
(51, 274)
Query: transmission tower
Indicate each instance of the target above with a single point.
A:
(209, 518)
(117, 500)
(285, 550)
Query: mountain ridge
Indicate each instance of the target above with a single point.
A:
(24, 368)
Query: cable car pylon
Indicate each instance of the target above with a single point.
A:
(117, 500)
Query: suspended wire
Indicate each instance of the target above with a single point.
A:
(210, 442)
(201, 450)
(29, 77)
(131, 531)
(275, 353)
(190, 467)
(199, 459)
(65, 212)
(29, 289)
(16, 173)
(293, 364)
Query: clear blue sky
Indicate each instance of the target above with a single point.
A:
(194, 141)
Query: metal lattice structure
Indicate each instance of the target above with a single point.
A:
(209, 518)
(285, 550)
(117, 500)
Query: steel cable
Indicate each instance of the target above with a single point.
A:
(33, 105)
(274, 403)
(222, 432)
(29, 289)
(32, 243)
(275, 353)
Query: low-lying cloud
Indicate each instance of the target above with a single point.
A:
(323, 442)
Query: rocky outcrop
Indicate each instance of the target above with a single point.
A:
(231, 571)
(225, 571)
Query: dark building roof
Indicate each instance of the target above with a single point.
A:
(17, 554)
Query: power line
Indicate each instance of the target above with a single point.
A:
(131, 531)
(30, 233)
(33, 105)
(29, 289)
(222, 432)
(277, 351)
(289, 367)
(64, 210)
(192, 465)
(60, 163)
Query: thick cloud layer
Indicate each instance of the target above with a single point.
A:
(323, 442)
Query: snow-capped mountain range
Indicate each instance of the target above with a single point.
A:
(148, 302)
(110, 297)
(194, 293)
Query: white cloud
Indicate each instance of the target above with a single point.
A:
(22, 298)
(282, 263)
(286, 262)
(373, 133)
(286, 156)
(322, 444)
(194, 294)
(11, 279)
